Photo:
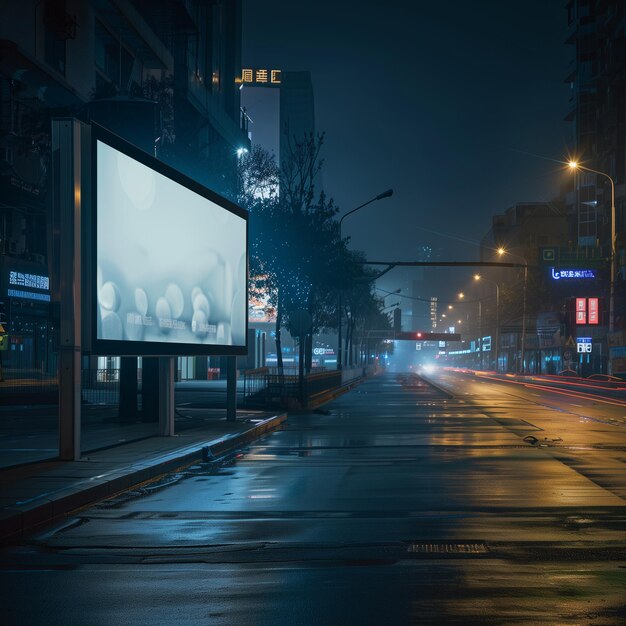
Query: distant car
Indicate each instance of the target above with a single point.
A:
(620, 375)
(605, 378)
(570, 373)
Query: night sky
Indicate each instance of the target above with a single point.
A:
(445, 102)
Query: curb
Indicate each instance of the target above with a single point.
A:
(23, 518)
(318, 399)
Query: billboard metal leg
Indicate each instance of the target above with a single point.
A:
(69, 404)
(166, 396)
(231, 388)
(66, 254)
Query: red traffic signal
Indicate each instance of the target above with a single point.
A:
(422, 336)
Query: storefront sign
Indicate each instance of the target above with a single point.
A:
(558, 274)
(583, 344)
(323, 352)
(587, 311)
(581, 310)
(32, 281)
(592, 310)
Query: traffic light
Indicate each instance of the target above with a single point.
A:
(420, 335)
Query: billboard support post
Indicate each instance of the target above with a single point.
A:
(231, 388)
(166, 396)
(68, 136)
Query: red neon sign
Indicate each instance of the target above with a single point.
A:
(581, 310)
(592, 309)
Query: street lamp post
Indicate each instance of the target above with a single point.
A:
(574, 165)
(479, 277)
(380, 196)
(522, 366)
(480, 332)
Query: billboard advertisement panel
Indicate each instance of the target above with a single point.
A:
(170, 259)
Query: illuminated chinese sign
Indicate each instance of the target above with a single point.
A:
(581, 310)
(587, 311)
(584, 344)
(568, 274)
(592, 310)
(260, 77)
(433, 312)
(32, 281)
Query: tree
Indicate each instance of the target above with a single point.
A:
(296, 255)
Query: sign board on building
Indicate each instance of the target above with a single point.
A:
(486, 343)
(587, 311)
(581, 310)
(592, 310)
(260, 77)
(568, 274)
(584, 344)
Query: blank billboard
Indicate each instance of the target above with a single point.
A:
(170, 259)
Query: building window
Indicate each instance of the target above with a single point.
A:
(112, 58)
(59, 27)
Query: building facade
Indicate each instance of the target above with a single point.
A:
(162, 74)
(597, 112)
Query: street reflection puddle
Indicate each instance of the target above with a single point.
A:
(262, 494)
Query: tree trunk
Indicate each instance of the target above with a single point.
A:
(279, 323)
(349, 342)
(308, 353)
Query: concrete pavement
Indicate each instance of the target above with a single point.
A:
(403, 505)
(41, 493)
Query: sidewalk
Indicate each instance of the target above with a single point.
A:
(33, 495)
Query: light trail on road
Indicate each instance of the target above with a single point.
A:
(576, 394)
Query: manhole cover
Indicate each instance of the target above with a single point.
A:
(447, 548)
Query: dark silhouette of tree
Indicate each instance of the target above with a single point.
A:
(296, 255)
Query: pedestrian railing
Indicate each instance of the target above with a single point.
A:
(276, 387)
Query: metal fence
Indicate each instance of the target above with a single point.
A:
(273, 386)
(99, 386)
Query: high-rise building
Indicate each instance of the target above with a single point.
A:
(598, 114)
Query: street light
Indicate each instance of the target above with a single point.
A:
(380, 196)
(574, 165)
(502, 251)
(478, 277)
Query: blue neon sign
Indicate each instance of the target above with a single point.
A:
(571, 273)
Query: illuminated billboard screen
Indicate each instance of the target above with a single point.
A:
(170, 263)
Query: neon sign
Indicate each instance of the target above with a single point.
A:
(254, 76)
(581, 310)
(592, 310)
(587, 311)
(569, 274)
(32, 281)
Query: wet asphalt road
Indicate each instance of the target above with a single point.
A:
(404, 505)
